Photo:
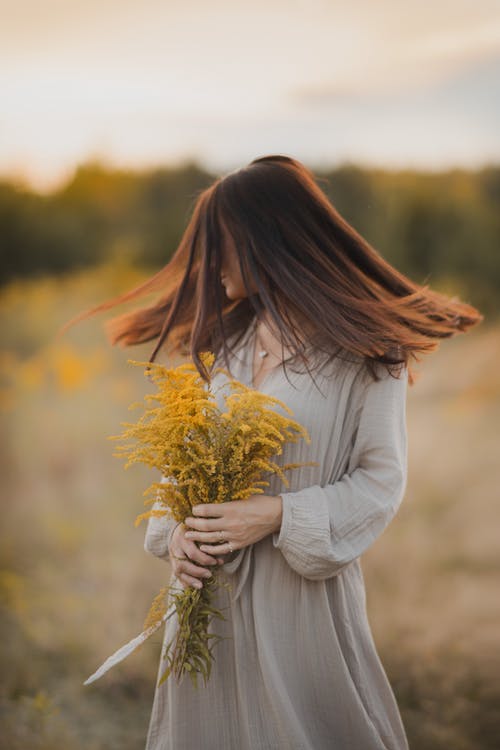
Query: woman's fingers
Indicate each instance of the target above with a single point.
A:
(188, 560)
(204, 524)
(195, 553)
(191, 574)
(186, 566)
(204, 536)
(189, 581)
(221, 549)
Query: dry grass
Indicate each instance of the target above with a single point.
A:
(75, 582)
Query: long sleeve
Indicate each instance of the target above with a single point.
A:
(159, 531)
(323, 529)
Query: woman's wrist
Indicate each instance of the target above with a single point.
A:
(277, 513)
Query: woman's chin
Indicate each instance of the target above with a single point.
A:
(229, 291)
(233, 292)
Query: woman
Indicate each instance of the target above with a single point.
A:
(297, 304)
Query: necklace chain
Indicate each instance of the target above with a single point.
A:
(262, 353)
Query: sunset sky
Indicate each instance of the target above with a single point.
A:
(395, 83)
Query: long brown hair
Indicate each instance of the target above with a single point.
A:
(316, 277)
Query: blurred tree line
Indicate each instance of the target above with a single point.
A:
(439, 228)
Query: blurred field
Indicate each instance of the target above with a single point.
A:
(75, 582)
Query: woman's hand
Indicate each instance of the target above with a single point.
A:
(184, 556)
(242, 522)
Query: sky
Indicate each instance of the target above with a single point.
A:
(390, 83)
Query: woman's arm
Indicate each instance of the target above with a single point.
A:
(323, 529)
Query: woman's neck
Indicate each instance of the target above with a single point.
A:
(268, 338)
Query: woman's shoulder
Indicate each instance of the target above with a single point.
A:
(348, 370)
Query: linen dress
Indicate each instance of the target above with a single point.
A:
(300, 670)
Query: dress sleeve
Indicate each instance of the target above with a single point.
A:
(159, 530)
(324, 529)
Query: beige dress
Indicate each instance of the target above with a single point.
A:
(300, 670)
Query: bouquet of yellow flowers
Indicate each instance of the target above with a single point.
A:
(206, 456)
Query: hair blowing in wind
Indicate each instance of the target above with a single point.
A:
(302, 263)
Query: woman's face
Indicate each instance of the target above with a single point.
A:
(231, 277)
